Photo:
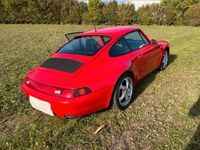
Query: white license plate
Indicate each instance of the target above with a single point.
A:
(40, 105)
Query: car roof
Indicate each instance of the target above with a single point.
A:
(111, 31)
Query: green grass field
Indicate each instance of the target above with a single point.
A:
(165, 114)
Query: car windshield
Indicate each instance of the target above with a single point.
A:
(85, 45)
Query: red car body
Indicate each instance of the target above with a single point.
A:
(99, 73)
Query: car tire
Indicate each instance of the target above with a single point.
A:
(165, 60)
(123, 92)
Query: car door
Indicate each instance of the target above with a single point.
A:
(154, 51)
(122, 56)
(140, 53)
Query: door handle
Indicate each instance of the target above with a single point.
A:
(140, 56)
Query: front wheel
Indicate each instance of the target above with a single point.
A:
(165, 60)
(123, 93)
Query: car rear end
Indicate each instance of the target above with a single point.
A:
(48, 86)
(70, 104)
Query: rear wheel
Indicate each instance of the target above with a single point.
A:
(123, 93)
(165, 60)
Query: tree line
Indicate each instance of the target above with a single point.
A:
(168, 12)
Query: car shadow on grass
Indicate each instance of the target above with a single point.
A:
(194, 143)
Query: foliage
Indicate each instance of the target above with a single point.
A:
(144, 15)
(42, 11)
(94, 14)
(71, 11)
(192, 15)
(110, 13)
(125, 14)
(168, 12)
(49, 11)
(1, 11)
(149, 14)
(180, 7)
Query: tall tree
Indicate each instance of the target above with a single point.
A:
(180, 7)
(167, 14)
(83, 8)
(2, 10)
(94, 14)
(44, 11)
(192, 15)
(110, 12)
(126, 14)
(155, 13)
(144, 15)
(8, 14)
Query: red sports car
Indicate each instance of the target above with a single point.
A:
(94, 70)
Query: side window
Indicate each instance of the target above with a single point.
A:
(106, 39)
(119, 48)
(144, 38)
(134, 40)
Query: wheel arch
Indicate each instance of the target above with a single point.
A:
(167, 49)
(124, 73)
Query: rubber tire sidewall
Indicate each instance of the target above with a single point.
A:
(161, 66)
(115, 99)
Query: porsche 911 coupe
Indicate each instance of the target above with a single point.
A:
(93, 71)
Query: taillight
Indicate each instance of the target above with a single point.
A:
(26, 81)
(81, 91)
(67, 93)
(70, 93)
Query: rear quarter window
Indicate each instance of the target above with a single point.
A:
(134, 40)
(119, 48)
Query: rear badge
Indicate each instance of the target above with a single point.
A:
(57, 92)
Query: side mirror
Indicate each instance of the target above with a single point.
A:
(154, 42)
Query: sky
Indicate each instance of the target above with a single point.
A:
(137, 3)
(120, 1)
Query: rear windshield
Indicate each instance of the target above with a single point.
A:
(85, 45)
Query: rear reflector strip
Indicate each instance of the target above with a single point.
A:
(41, 87)
(66, 65)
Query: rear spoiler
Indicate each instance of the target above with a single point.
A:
(71, 35)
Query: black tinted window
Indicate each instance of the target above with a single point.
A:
(119, 48)
(144, 38)
(134, 40)
(106, 39)
(85, 45)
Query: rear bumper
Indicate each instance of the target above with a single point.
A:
(78, 106)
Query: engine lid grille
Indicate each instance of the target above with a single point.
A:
(66, 65)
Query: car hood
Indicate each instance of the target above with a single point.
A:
(59, 69)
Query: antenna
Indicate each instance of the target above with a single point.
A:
(95, 28)
(94, 24)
